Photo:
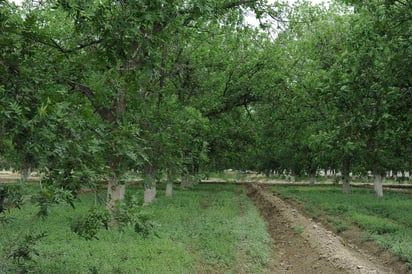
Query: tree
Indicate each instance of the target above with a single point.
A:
(107, 56)
(376, 44)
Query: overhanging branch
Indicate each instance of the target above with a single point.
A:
(105, 113)
(14, 69)
(238, 3)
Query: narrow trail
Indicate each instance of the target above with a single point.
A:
(303, 246)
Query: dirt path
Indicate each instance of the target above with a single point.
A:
(303, 246)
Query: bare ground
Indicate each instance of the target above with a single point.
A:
(303, 246)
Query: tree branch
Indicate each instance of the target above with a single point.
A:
(191, 12)
(78, 47)
(14, 69)
(105, 113)
(238, 3)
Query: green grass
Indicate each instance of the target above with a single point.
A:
(388, 221)
(204, 229)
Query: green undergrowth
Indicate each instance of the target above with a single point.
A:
(204, 229)
(388, 221)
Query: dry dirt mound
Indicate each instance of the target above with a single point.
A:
(304, 246)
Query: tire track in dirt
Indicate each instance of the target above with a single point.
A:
(303, 246)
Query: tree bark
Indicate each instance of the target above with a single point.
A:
(377, 185)
(186, 182)
(169, 189)
(115, 192)
(149, 188)
(292, 176)
(25, 171)
(346, 175)
(312, 177)
(111, 114)
(149, 194)
(169, 185)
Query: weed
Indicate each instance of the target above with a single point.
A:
(10, 196)
(340, 224)
(299, 230)
(24, 249)
(341, 227)
(88, 226)
(131, 212)
(313, 212)
(22, 252)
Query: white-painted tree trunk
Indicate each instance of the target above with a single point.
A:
(25, 171)
(346, 176)
(312, 178)
(186, 182)
(25, 174)
(149, 194)
(115, 192)
(169, 184)
(377, 184)
(169, 189)
(346, 185)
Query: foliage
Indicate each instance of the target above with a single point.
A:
(88, 226)
(132, 212)
(49, 196)
(23, 251)
(92, 91)
(10, 196)
(96, 91)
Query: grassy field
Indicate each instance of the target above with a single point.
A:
(387, 221)
(207, 229)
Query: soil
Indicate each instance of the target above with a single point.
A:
(304, 246)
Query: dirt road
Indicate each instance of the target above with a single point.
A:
(303, 246)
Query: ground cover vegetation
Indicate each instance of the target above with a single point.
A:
(199, 230)
(387, 221)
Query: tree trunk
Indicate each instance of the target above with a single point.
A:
(292, 177)
(377, 184)
(149, 184)
(312, 177)
(169, 185)
(115, 192)
(25, 171)
(169, 189)
(346, 175)
(149, 194)
(186, 182)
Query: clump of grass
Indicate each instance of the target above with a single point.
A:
(299, 229)
(313, 212)
(339, 223)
